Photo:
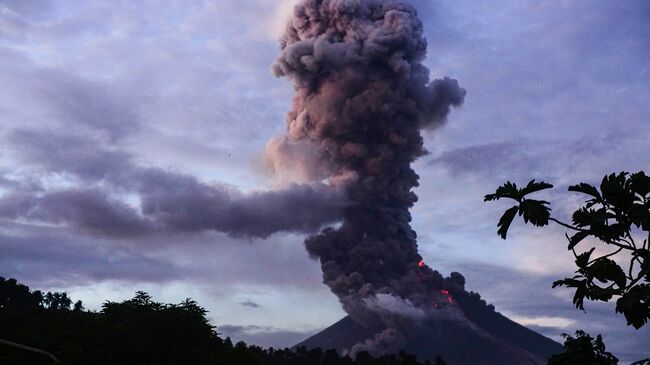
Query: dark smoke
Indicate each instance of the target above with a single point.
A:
(362, 99)
(186, 206)
(163, 201)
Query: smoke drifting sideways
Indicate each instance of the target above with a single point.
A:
(160, 202)
(184, 207)
(362, 99)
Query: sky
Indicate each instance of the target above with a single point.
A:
(111, 110)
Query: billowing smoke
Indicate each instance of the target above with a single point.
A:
(118, 198)
(184, 207)
(362, 99)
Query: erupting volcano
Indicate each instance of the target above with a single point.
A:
(363, 97)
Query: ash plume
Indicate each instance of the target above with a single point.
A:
(166, 202)
(185, 206)
(362, 99)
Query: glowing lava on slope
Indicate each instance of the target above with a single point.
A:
(445, 292)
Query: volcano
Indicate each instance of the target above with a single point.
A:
(362, 99)
(485, 338)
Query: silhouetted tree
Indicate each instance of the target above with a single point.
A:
(138, 331)
(16, 295)
(57, 301)
(141, 330)
(617, 215)
(583, 350)
(78, 306)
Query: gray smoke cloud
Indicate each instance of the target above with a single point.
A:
(362, 99)
(114, 197)
(187, 206)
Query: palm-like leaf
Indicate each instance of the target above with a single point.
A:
(507, 190)
(505, 221)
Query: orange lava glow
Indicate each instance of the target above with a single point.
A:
(421, 263)
(445, 292)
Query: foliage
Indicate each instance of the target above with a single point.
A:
(139, 331)
(16, 295)
(583, 350)
(617, 215)
(534, 211)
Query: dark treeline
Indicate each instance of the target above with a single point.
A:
(137, 331)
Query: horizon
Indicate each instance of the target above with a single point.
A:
(97, 89)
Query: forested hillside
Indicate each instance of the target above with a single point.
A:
(135, 331)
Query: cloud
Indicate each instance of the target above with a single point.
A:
(46, 257)
(99, 176)
(265, 336)
(250, 303)
(549, 322)
(525, 158)
(89, 210)
(281, 15)
(497, 157)
(78, 142)
(176, 203)
(27, 7)
(59, 98)
(61, 151)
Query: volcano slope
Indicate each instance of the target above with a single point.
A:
(485, 338)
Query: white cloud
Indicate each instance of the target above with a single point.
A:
(559, 322)
(280, 16)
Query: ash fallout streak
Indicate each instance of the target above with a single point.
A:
(362, 99)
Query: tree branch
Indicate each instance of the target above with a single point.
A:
(602, 257)
(567, 225)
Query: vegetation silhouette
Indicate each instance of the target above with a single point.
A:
(583, 350)
(138, 331)
(617, 214)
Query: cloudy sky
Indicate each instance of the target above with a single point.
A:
(117, 114)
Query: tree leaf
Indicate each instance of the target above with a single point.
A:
(606, 270)
(639, 215)
(640, 183)
(576, 238)
(614, 191)
(535, 212)
(507, 190)
(586, 189)
(580, 293)
(505, 221)
(582, 260)
(602, 294)
(584, 217)
(635, 305)
(533, 187)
